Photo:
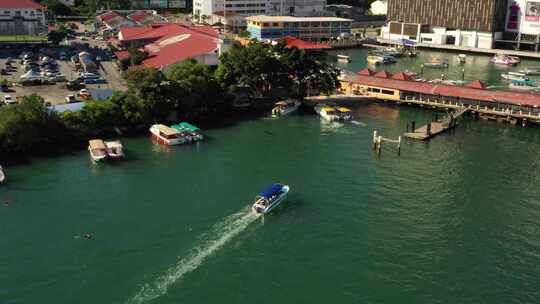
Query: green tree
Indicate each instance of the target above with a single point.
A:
(244, 34)
(58, 35)
(135, 55)
(57, 8)
(150, 87)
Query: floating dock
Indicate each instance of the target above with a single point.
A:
(437, 127)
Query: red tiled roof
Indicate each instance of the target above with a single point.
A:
(291, 42)
(19, 4)
(107, 16)
(508, 97)
(204, 29)
(366, 72)
(383, 74)
(476, 84)
(222, 14)
(122, 54)
(401, 76)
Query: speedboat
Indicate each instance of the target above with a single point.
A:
(530, 71)
(344, 113)
(2, 175)
(343, 58)
(114, 149)
(97, 149)
(380, 59)
(283, 108)
(504, 59)
(167, 135)
(270, 198)
(462, 58)
(514, 76)
(326, 112)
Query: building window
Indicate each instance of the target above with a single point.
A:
(275, 24)
(387, 92)
(266, 24)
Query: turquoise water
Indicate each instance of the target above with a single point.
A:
(454, 220)
(476, 67)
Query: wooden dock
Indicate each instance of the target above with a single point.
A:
(435, 128)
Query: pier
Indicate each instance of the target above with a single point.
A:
(434, 128)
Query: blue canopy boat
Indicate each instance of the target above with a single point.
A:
(270, 198)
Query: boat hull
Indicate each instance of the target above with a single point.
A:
(166, 141)
(2, 175)
(276, 202)
(287, 110)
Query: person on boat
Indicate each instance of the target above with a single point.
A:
(88, 236)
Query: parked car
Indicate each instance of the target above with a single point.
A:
(71, 98)
(75, 85)
(8, 100)
(85, 94)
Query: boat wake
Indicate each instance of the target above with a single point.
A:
(359, 123)
(220, 234)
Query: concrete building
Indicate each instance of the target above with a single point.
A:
(21, 17)
(308, 28)
(206, 8)
(464, 23)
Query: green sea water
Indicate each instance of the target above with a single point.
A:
(453, 220)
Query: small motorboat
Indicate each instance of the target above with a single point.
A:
(462, 58)
(344, 113)
(523, 85)
(2, 175)
(436, 64)
(167, 135)
(380, 59)
(115, 150)
(504, 59)
(270, 198)
(530, 71)
(192, 132)
(514, 76)
(97, 149)
(327, 112)
(283, 108)
(343, 58)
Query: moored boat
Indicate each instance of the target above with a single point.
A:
(523, 85)
(115, 150)
(436, 64)
(343, 58)
(283, 107)
(167, 135)
(2, 175)
(191, 132)
(270, 198)
(380, 59)
(504, 59)
(97, 149)
(530, 71)
(462, 58)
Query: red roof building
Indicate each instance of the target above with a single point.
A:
(472, 93)
(19, 4)
(383, 74)
(401, 76)
(366, 72)
(476, 84)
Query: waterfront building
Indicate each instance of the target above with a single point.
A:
(204, 9)
(400, 88)
(169, 44)
(309, 28)
(21, 17)
(465, 23)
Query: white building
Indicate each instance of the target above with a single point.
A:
(21, 17)
(207, 8)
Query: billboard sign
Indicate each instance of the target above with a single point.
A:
(532, 11)
(523, 16)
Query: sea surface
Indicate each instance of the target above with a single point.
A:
(452, 220)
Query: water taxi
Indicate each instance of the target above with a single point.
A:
(344, 113)
(326, 112)
(97, 149)
(523, 85)
(167, 135)
(2, 175)
(270, 198)
(283, 108)
(380, 59)
(343, 58)
(462, 58)
(115, 150)
(191, 132)
(514, 76)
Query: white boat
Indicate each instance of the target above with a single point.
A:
(167, 135)
(97, 149)
(530, 71)
(270, 198)
(283, 108)
(462, 58)
(115, 150)
(343, 58)
(2, 175)
(327, 112)
(514, 76)
(436, 64)
(505, 60)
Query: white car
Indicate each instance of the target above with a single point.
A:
(71, 99)
(8, 100)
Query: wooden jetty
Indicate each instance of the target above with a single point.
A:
(436, 127)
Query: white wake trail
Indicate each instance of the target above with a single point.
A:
(220, 234)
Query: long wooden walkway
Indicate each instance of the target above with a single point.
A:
(436, 127)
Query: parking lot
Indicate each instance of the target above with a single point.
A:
(56, 93)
